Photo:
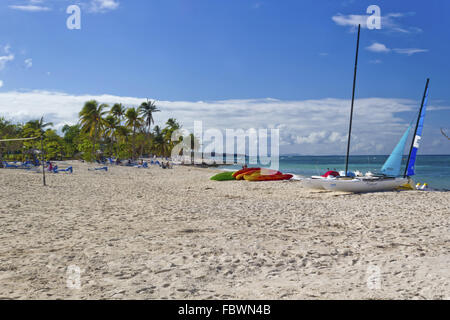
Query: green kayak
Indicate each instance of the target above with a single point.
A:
(223, 176)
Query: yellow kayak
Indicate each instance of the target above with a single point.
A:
(252, 176)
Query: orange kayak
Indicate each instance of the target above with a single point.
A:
(241, 175)
(244, 171)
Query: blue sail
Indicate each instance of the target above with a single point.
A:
(392, 165)
(412, 160)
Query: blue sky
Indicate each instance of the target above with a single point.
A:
(232, 55)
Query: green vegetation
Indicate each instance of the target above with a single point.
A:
(101, 131)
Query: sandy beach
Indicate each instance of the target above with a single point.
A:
(173, 234)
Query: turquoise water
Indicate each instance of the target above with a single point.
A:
(432, 169)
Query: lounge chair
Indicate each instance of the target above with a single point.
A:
(68, 170)
(26, 165)
(144, 165)
(98, 169)
(11, 166)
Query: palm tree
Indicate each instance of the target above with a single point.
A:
(159, 141)
(122, 132)
(133, 122)
(92, 121)
(39, 124)
(146, 110)
(118, 110)
(172, 126)
(111, 124)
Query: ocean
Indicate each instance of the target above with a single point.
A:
(431, 169)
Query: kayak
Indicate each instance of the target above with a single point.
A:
(244, 171)
(258, 171)
(241, 175)
(223, 176)
(272, 177)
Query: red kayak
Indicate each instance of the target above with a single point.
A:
(274, 177)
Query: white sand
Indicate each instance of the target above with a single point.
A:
(165, 234)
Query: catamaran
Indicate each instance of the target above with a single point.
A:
(390, 177)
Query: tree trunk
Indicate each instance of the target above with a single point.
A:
(93, 142)
(134, 141)
(148, 140)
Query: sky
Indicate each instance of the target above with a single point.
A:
(235, 64)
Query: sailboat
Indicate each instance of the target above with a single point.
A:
(390, 178)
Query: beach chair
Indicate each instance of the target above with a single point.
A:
(144, 165)
(98, 169)
(10, 166)
(67, 170)
(26, 165)
(130, 163)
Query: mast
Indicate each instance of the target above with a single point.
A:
(417, 125)
(353, 101)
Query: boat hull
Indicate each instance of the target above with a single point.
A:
(363, 185)
(316, 183)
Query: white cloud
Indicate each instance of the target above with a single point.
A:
(337, 137)
(7, 58)
(381, 48)
(306, 126)
(378, 47)
(4, 60)
(29, 8)
(103, 5)
(28, 63)
(313, 137)
(388, 22)
(375, 61)
(321, 137)
(410, 51)
(1, 83)
(352, 20)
